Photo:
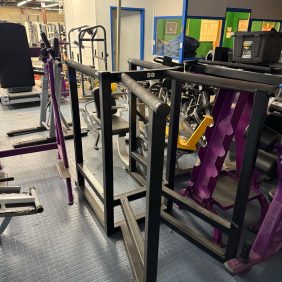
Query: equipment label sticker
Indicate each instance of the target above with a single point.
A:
(247, 49)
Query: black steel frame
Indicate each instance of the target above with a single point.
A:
(143, 253)
(270, 68)
(242, 72)
(233, 228)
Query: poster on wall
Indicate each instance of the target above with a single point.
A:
(171, 27)
(209, 30)
(243, 25)
(228, 32)
(267, 26)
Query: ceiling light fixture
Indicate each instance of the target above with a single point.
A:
(23, 2)
(52, 5)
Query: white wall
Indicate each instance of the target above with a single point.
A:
(94, 12)
(78, 13)
(168, 8)
(103, 18)
(261, 9)
(97, 12)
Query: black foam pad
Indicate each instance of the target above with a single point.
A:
(15, 61)
(269, 138)
(56, 47)
(221, 54)
(96, 94)
(267, 163)
(274, 121)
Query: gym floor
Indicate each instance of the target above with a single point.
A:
(66, 243)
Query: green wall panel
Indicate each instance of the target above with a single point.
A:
(256, 26)
(232, 19)
(194, 31)
(161, 24)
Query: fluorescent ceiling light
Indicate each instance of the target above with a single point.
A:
(52, 5)
(23, 2)
(42, 2)
(49, 9)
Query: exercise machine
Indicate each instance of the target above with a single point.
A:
(241, 103)
(13, 202)
(46, 120)
(32, 35)
(236, 98)
(16, 73)
(94, 35)
(92, 120)
(59, 143)
(268, 240)
(195, 112)
(71, 31)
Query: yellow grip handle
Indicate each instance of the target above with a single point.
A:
(191, 143)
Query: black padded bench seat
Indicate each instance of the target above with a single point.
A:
(15, 61)
(120, 126)
(25, 95)
(274, 121)
(267, 163)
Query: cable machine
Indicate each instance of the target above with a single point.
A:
(92, 35)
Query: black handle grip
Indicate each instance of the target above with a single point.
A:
(56, 47)
(45, 40)
(159, 60)
(38, 72)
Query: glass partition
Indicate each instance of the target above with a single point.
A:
(167, 36)
(207, 32)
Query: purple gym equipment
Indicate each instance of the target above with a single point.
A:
(269, 238)
(239, 114)
(207, 186)
(63, 165)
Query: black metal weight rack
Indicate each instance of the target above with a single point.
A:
(143, 252)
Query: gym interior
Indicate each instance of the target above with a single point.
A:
(141, 140)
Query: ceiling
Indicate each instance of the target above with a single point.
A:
(29, 4)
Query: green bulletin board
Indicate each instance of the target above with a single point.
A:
(231, 22)
(194, 30)
(163, 37)
(257, 26)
